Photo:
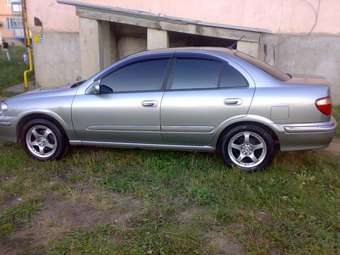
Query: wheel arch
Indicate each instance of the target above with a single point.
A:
(247, 122)
(38, 115)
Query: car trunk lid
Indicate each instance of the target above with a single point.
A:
(307, 80)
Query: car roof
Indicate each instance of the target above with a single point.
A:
(236, 55)
(189, 49)
(272, 70)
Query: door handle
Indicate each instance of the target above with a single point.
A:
(233, 101)
(149, 103)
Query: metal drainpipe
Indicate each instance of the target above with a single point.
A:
(27, 44)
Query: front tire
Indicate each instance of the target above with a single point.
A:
(248, 147)
(43, 140)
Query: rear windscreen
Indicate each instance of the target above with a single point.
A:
(269, 69)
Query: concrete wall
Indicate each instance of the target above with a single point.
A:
(128, 45)
(157, 39)
(108, 44)
(57, 59)
(316, 54)
(90, 47)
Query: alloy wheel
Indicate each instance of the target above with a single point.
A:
(247, 149)
(41, 141)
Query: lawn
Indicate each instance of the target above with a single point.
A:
(12, 73)
(336, 114)
(106, 201)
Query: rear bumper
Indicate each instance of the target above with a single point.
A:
(306, 136)
(8, 129)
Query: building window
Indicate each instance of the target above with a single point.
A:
(14, 23)
(16, 7)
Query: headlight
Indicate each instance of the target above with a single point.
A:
(3, 107)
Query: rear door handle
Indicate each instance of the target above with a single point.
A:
(233, 101)
(149, 103)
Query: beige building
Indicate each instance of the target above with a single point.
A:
(10, 21)
(79, 37)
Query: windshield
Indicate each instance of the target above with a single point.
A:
(269, 69)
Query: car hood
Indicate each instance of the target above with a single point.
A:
(50, 92)
(47, 90)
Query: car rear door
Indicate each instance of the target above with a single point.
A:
(128, 108)
(202, 92)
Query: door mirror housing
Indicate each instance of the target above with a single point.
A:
(96, 87)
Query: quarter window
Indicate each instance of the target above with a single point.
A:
(230, 77)
(195, 74)
(141, 76)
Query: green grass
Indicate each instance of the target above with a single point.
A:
(336, 114)
(300, 195)
(96, 241)
(11, 73)
(16, 216)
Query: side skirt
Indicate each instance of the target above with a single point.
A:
(143, 146)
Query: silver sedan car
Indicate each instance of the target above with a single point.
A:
(201, 99)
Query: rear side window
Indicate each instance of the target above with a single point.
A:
(230, 77)
(195, 74)
(141, 76)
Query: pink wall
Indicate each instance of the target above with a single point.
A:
(54, 16)
(5, 11)
(286, 16)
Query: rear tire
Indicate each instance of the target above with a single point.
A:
(248, 147)
(43, 140)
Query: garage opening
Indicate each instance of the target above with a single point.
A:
(121, 40)
(129, 39)
(177, 39)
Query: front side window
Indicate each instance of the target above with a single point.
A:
(195, 74)
(141, 76)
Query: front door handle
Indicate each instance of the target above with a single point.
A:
(149, 103)
(233, 101)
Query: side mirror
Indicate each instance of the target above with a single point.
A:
(96, 88)
(99, 89)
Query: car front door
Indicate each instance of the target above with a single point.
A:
(202, 93)
(127, 109)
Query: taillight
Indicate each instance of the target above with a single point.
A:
(324, 105)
